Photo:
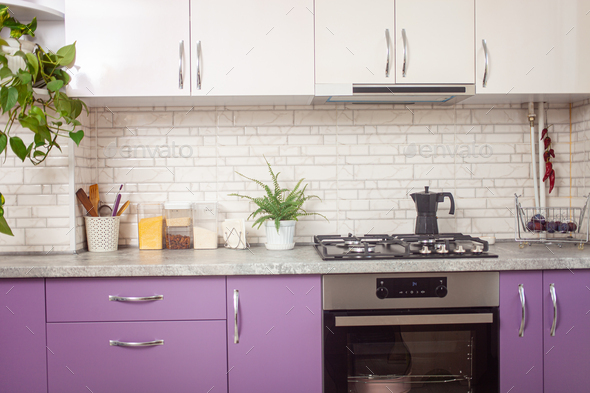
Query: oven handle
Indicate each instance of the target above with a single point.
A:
(396, 320)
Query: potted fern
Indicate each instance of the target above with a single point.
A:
(279, 210)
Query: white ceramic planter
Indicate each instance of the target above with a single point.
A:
(283, 240)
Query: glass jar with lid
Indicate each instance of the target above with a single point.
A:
(205, 225)
(150, 226)
(178, 220)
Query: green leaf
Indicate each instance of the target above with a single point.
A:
(3, 43)
(3, 142)
(77, 136)
(43, 130)
(68, 54)
(5, 72)
(39, 153)
(24, 76)
(39, 140)
(18, 147)
(55, 85)
(30, 122)
(38, 114)
(8, 97)
(4, 228)
(33, 64)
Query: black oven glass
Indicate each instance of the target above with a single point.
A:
(442, 358)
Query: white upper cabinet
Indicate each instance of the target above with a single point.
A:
(533, 46)
(128, 48)
(152, 48)
(363, 42)
(351, 41)
(260, 47)
(434, 41)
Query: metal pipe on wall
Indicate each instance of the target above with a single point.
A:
(540, 126)
(533, 159)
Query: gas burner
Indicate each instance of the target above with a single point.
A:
(409, 246)
(441, 248)
(459, 250)
(365, 247)
(425, 250)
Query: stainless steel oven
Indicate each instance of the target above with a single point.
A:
(420, 332)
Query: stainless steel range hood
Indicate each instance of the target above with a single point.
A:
(391, 94)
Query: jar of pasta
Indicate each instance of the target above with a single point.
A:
(179, 228)
(150, 226)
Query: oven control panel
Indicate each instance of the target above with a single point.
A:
(408, 287)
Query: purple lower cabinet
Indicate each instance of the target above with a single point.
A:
(192, 358)
(521, 358)
(22, 336)
(567, 353)
(279, 333)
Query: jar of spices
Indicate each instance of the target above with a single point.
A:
(179, 233)
(205, 225)
(150, 226)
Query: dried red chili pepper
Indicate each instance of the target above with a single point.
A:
(551, 181)
(547, 142)
(548, 170)
(544, 133)
(550, 151)
(546, 156)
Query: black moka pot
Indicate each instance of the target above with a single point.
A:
(426, 206)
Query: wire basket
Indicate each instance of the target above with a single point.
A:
(102, 233)
(551, 224)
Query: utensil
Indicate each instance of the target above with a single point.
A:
(83, 198)
(94, 196)
(123, 208)
(105, 211)
(117, 201)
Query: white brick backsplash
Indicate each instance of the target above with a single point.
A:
(361, 160)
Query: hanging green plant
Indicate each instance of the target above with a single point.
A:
(31, 93)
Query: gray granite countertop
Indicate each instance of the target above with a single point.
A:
(259, 261)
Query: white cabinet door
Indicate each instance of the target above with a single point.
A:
(438, 41)
(128, 48)
(534, 46)
(351, 43)
(252, 47)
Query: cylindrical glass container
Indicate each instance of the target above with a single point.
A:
(179, 228)
(150, 226)
(205, 225)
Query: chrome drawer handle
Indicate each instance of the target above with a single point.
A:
(485, 69)
(522, 302)
(387, 52)
(116, 343)
(554, 300)
(135, 299)
(180, 65)
(236, 304)
(405, 39)
(199, 61)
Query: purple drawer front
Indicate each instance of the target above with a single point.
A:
(192, 358)
(87, 299)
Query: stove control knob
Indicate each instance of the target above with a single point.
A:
(441, 291)
(382, 292)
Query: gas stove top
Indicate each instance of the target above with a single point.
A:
(411, 246)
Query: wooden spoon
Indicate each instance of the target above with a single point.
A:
(83, 198)
(123, 208)
(94, 196)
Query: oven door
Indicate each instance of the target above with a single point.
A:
(455, 350)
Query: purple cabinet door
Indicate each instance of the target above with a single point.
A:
(87, 299)
(521, 358)
(279, 329)
(567, 353)
(22, 336)
(192, 358)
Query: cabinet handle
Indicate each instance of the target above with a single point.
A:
(522, 302)
(405, 39)
(116, 343)
(236, 304)
(554, 300)
(485, 68)
(135, 299)
(387, 52)
(198, 65)
(180, 65)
